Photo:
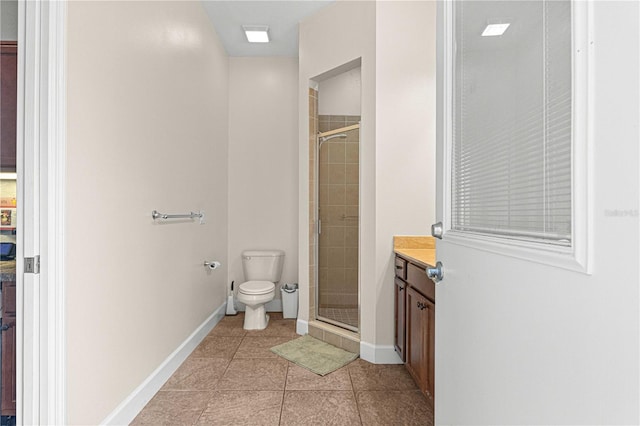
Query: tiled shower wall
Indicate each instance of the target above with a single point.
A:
(338, 177)
(313, 131)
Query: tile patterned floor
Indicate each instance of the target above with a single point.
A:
(344, 315)
(232, 378)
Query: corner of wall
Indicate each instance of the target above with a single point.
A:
(131, 406)
(379, 354)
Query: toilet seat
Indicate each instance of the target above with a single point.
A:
(257, 287)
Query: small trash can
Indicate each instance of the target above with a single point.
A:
(289, 300)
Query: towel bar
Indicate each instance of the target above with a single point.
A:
(192, 215)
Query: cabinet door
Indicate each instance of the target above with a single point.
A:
(420, 340)
(8, 388)
(431, 353)
(8, 359)
(400, 311)
(401, 268)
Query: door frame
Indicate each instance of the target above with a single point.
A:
(41, 332)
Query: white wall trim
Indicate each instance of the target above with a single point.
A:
(560, 257)
(379, 354)
(41, 140)
(56, 401)
(302, 327)
(25, 19)
(135, 402)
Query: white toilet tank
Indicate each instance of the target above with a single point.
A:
(262, 265)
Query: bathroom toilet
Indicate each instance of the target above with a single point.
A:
(262, 270)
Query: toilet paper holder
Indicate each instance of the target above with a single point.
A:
(212, 265)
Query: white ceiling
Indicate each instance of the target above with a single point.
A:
(282, 17)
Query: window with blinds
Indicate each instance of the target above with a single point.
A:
(512, 121)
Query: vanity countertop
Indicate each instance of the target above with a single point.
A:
(415, 248)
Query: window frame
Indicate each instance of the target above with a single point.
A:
(576, 257)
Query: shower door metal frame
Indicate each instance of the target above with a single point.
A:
(318, 229)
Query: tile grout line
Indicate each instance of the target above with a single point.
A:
(199, 417)
(231, 360)
(396, 389)
(355, 397)
(221, 376)
(284, 391)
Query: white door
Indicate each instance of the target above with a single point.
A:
(526, 335)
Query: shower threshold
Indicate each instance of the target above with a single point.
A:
(342, 317)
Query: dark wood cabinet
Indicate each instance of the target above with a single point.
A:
(8, 385)
(420, 314)
(8, 105)
(401, 268)
(415, 323)
(400, 329)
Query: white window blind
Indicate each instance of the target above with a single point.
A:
(512, 121)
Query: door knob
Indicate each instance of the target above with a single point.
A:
(437, 273)
(436, 230)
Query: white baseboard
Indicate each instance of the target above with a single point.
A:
(380, 354)
(135, 402)
(302, 327)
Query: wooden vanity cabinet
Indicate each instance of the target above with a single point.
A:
(400, 329)
(8, 384)
(415, 323)
(420, 317)
(401, 268)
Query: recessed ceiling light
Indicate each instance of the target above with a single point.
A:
(256, 33)
(495, 29)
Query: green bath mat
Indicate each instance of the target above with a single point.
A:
(314, 355)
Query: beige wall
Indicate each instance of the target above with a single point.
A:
(147, 129)
(263, 156)
(397, 139)
(405, 138)
(340, 95)
(322, 50)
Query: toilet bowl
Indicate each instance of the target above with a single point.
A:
(262, 269)
(255, 294)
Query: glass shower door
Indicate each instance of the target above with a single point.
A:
(338, 215)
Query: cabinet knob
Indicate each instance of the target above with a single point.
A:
(398, 267)
(400, 288)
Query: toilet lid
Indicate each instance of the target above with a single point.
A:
(257, 287)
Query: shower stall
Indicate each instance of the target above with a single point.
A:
(337, 220)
